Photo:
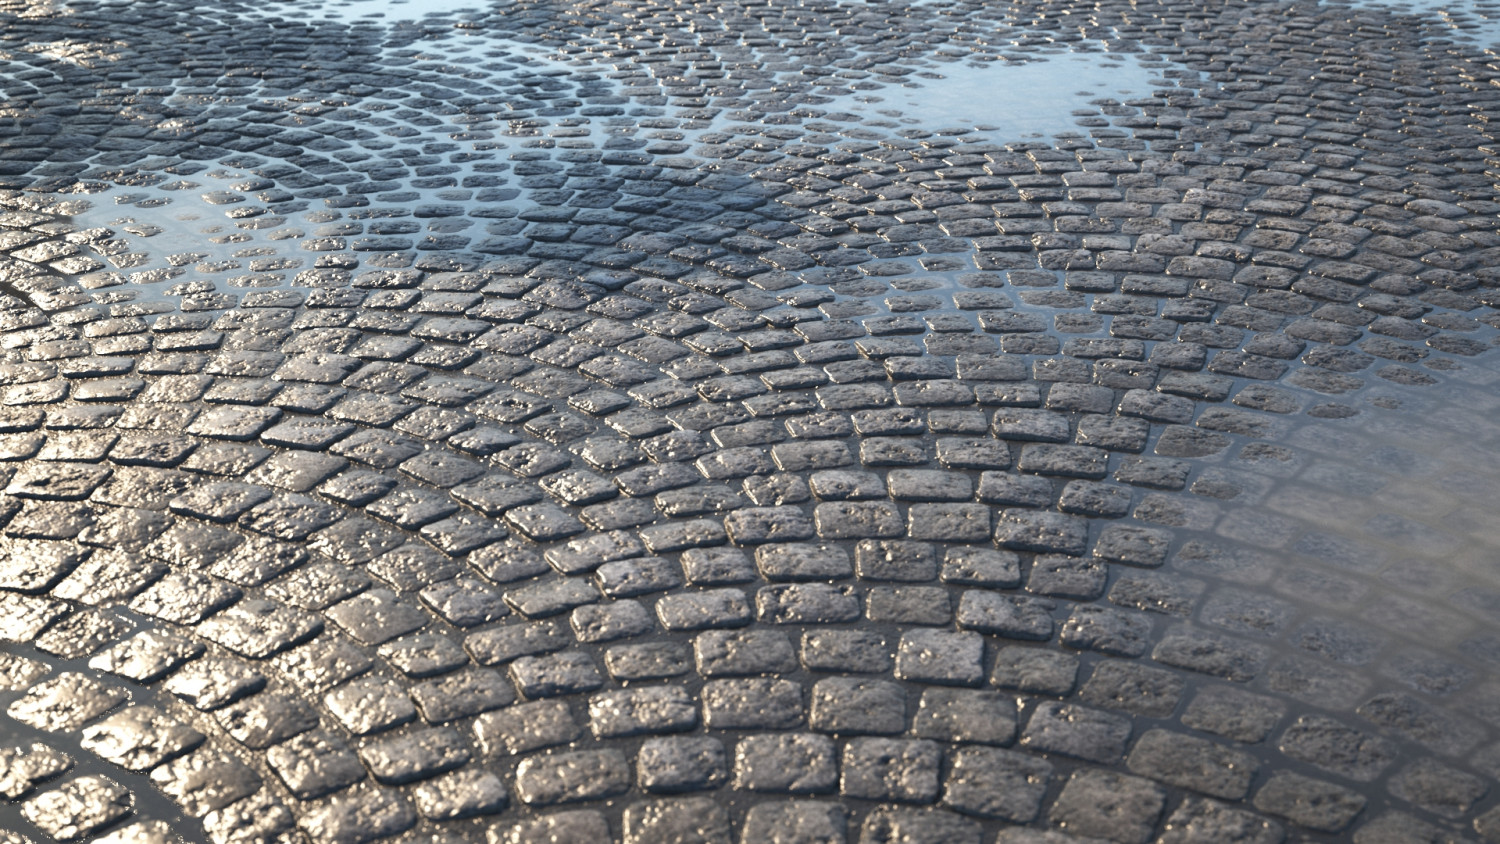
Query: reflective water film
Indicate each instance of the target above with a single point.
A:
(1028, 100)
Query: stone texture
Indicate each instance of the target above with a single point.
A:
(705, 393)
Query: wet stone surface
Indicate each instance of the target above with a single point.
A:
(927, 422)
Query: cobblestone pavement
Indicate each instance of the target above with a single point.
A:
(575, 421)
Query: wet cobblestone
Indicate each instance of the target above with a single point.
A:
(575, 422)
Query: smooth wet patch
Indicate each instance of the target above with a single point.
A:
(1035, 99)
(379, 11)
(1361, 552)
(1476, 21)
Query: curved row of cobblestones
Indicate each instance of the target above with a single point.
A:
(559, 423)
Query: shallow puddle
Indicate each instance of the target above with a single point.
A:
(1363, 556)
(1005, 101)
(1474, 22)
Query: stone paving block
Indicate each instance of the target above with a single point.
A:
(1156, 593)
(949, 522)
(1066, 461)
(918, 826)
(526, 727)
(653, 709)
(857, 519)
(1088, 498)
(1108, 631)
(797, 821)
(1315, 804)
(461, 694)
(806, 603)
(187, 598)
(845, 651)
(1061, 576)
(989, 782)
(1024, 530)
(140, 737)
(1133, 688)
(550, 597)
(376, 616)
(543, 522)
(1418, 721)
(414, 755)
(981, 567)
(716, 566)
(65, 702)
(266, 719)
(1107, 805)
(641, 576)
(681, 763)
(1438, 788)
(26, 767)
(964, 453)
(723, 653)
(18, 672)
(206, 781)
(941, 657)
(895, 560)
(1113, 433)
(579, 825)
(460, 794)
(775, 490)
(788, 763)
(849, 706)
(1012, 616)
(571, 777)
(1335, 747)
(924, 605)
(696, 819)
(1232, 713)
(360, 814)
(1202, 819)
(845, 484)
(1027, 425)
(752, 703)
(759, 525)
(370, 705)
(147, 656)
(258, 629)
(609, 622)
(803, 561)
(465, 601)
(323, 663)
(1193, 763)
(811, 454)
(314, 764)
(49, 481)
(1077, 731)
(1212, 654)
(258, 814)
(965, 715)
(80, 807)
(928, 485)
(899, 770)
(707, 609)
(552, 675)
(148, 832)
(1005, 489)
